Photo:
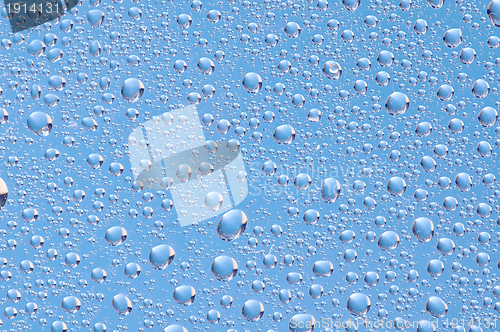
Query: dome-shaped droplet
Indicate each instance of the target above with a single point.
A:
(284, 134)
(480, 88)
(122, 304)
(332, 70)
(4, 193)
(231, 225)
(452, 38)
(488, 116)
(493, 11)
(71, 304)
(115, 235)
(292, 29)
(351, 5)
(252, 83)
(175, 328)
(388, 240)
(40, 123)
(397, 103)
(463, 182)
(423, 229)
(96, 17)
(161, 256)
(206, 66)
(322, 268)
(330, 190)
(213, 201)
(358, 304)
(132, 270)
(224, 268)
(302, 323)
(396, 186)
(436, 307)
(184, 295)
(132, 90)
(252, 310)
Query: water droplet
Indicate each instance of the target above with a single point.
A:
(252, 83)
(358, 304)
(115, 236)
(40, 123)
(252, 310)
(71, 304)
(436, 307)
(132, 90)
(397, 103)
(423, 229)
(330, 190)
(161, 256)
(231, 225)
(184, 295)
(122, 304)
(224, 268)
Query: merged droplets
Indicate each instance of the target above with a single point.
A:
(40, 123)
(397, 103)
(252, 83)
(231, 225)
(224, 268)
(132, 90)
(161, 256)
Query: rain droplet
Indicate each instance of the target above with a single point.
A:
(115, 236)
(252, 82)
(132, 90)
(122, 304)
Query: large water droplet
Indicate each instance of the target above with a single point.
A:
(330, 190)
(284, 134)
(423, 229)
(252, 310)
(224, 268)
(132, 90)
(252, 82)
(231, 225)
(161, 256)
(115, 235)
(358, 304)
(40, 123)
(122, 304)
(397, 103)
